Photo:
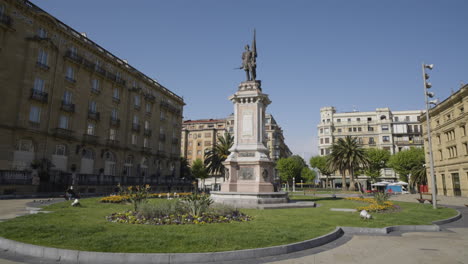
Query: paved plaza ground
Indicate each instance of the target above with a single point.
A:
(448, 246)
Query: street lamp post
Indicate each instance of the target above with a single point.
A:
(427, 95)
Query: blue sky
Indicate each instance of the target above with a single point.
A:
(348, 54)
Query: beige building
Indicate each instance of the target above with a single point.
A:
(69, 100)
(382, 128)
(199, 136)
(449, 144)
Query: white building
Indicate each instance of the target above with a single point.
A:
(382, 128)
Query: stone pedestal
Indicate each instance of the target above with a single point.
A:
(248, 169)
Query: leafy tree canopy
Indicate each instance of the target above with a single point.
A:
(290, 167)
(406, 161)
(308, 175)
(378, 159)
(199, 170)
(185, 171)
(320, 163)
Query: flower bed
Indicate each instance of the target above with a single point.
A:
(115, 199)
(125, 198)
(374, 206)
(131, 217)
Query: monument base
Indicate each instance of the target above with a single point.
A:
(249, 199)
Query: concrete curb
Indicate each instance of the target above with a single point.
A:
(76, 256)
(386, 230)
(449, 220)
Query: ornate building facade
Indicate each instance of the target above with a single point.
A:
(449, 125)
(70, 101)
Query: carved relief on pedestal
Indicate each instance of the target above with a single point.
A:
(265, 175)
(246, 173)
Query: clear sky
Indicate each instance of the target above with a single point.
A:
(348, 54)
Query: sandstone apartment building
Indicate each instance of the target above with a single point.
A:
(449, 138)
(68, 100)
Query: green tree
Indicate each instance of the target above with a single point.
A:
(320, 163)
(199, 171)
(347, 155)
(290, 168)
(214, 158)
(406, 162)
(378, 159)
(185, 171)
(308, 175)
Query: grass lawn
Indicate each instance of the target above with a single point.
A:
(85, 228)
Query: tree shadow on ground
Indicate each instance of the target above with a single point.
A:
(319, 199)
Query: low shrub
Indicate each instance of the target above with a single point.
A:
(196, 204)
(381, 197)
(160, 209)
(222, 209)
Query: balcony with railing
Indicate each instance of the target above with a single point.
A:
(43, 66)
(67, 107)
(150, 97)
(120, 81)
(93, 115)
(70, 79)
(146, 150)
(95, 90)
(73, 56)
(100, 70)
(88, 64)
(162, 137)
(5, 20)
(111, 76)
(135, 127)
(63, 133)
(409, 142)
(112, 143)
(169, 107)
(147, 132)
(115, 122)
(92, 139)
(39, 96)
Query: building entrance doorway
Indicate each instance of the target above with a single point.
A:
(456, 184)
(444, 186)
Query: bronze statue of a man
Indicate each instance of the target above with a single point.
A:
(249, 63)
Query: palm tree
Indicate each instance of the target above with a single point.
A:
(214, 158)
(347, 155)
(418, 177)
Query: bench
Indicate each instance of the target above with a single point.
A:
(422, 200)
